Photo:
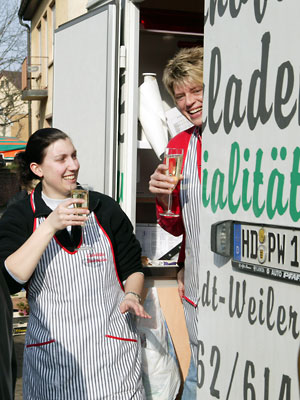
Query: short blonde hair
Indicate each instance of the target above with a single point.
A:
(185, 66)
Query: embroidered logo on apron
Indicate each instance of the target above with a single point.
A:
(95, 259)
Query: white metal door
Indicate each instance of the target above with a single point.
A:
(127, 173)
(85, 97)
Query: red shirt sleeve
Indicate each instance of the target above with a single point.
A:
(174, 225)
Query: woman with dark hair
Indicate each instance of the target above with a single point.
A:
(81, 340)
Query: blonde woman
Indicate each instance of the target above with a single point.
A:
(183, 78)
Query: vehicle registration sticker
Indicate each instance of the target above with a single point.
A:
(272, 251)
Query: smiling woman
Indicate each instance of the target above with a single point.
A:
(183, 78)
(39, 241)
(189, 99)
(59, 169)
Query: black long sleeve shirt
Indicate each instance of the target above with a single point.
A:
(16, 226)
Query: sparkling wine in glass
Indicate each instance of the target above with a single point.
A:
(173, 160)
(82, 192)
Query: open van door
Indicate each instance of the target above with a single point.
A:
(85, 95)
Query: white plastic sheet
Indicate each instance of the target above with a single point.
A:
(161, 376)
(152, 115)
(176, 121)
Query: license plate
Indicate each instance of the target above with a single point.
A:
(272, 251)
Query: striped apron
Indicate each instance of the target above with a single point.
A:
(78, 344)
(190, 197)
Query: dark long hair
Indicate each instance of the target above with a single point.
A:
(36, 151)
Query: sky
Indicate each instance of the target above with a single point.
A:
(13, 42)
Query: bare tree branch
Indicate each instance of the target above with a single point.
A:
(12, 36)
(12, 53)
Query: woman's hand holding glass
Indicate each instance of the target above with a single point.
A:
(160, 183)
(163, 181)
(67, 215)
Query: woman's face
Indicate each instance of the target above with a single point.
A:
(59, 169)
(189, 97)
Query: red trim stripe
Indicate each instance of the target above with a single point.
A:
(34, 224)
(112, 250)
(33, 210)
(190, 301)
(32, 201)
(199, 152)
(40, 344)
(119, 338)
(66, 250)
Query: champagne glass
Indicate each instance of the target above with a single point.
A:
(82, 192)
(173, 160)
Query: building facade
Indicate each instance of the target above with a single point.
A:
(13, 110)
(37, 71)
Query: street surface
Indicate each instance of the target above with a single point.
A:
(19, 347)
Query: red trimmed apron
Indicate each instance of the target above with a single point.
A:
(78, 344)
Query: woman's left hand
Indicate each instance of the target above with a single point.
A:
(133, 306)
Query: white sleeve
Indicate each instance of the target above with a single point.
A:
(20, 281)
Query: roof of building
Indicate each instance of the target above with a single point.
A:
(28, 8)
